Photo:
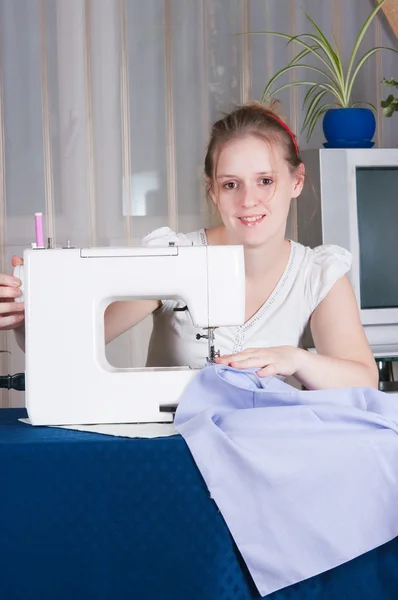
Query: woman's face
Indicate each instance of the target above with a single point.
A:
(253, 190)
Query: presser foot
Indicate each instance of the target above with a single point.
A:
(213, 355)
(212, 352)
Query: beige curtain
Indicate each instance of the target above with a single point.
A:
(106, 106)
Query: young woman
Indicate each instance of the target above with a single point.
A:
(253, 170)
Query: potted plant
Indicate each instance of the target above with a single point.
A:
(345, 125)
(390, 104)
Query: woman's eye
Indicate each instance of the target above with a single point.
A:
(266, 181)
(231, 185)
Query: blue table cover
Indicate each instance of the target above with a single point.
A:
(94, 517)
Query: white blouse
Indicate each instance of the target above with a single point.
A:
(309, 275)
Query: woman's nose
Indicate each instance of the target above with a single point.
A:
(249, 198)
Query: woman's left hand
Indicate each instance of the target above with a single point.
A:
(282, 360)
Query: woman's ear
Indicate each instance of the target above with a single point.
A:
(298, 180)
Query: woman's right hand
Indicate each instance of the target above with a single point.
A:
(12, 313)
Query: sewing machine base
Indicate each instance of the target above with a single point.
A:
(141, 404)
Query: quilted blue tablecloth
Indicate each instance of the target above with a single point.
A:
(92, 517)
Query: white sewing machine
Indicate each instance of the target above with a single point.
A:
(68, 380)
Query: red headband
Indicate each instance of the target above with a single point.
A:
(290, 132)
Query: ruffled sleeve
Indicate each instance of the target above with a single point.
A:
(163, 236)
(329, 263)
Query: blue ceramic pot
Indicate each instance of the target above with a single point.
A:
(349, 128)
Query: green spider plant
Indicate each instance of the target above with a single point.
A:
(337, 82)
(390, 104)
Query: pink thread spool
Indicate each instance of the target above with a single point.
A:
(39, 230)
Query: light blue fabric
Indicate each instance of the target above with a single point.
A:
(305, 480)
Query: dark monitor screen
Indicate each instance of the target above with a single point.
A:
(377, 208)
